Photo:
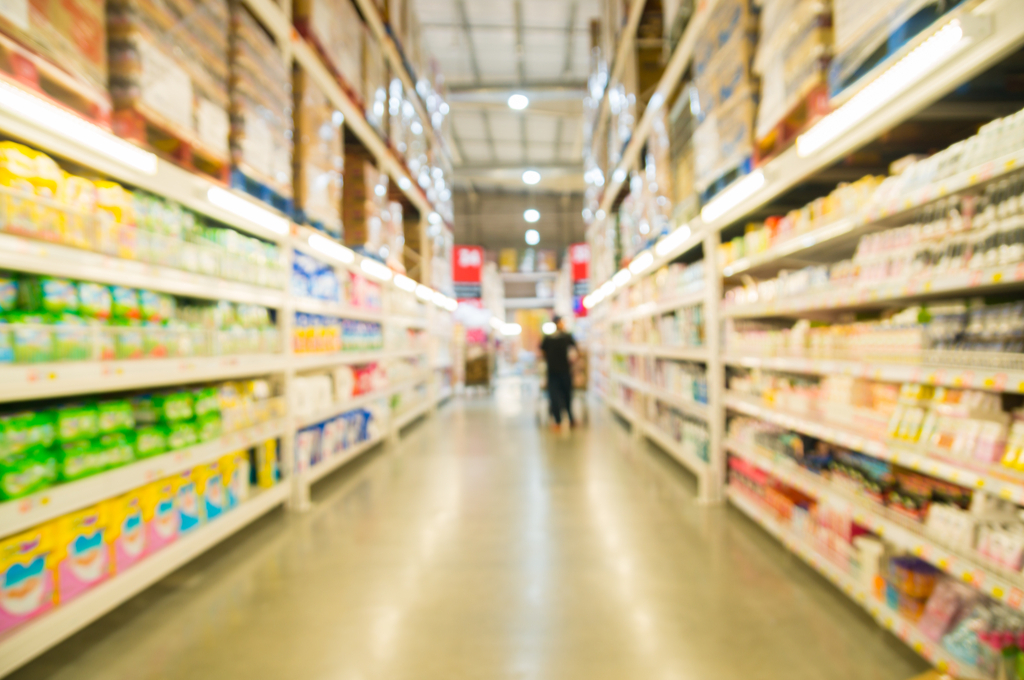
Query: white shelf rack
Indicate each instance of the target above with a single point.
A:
(320, 470)
(966, 377)
(649, 309)
(25, 513)
(33, 638)
(992, 579)
(362, 400)
(315, 361)
(902, 628)
(681, 353)
(337, 309)
(689, 407)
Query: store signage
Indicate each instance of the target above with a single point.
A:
(467, 265)
(579, 257)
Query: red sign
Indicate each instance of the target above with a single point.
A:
(467, 262)
(579, 257)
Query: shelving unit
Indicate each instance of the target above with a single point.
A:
(987, 33)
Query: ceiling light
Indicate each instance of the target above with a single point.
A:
(511, 329)
(900, 76)
(735, 194)
(672, 241)
(404, 183)
(248, 210)
(424, 292)
(531, 177)
(376, 269)
(331, 249)
(532, 237)
(531, 215)
(590, 300)
(606, 289)
(434, 218)
(619, 176)
(641, 263)
(41, 113)
(380, 190)
(496, 323)
(438, 298)
(600, 214)
(405, 283)
(450, 304)
(621, 278)
(518, 102)
(548, 328)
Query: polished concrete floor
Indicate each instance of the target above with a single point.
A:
(482, 548)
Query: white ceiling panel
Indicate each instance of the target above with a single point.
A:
(506, 126)
(475, 151)
(541, 153)
(567, 153)
(491, 12)
(509, 152)
(469, 125)
(545, 13)
(541, 129)
(436, 12)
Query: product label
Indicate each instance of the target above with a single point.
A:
(15, 11)
(212, 125)
(165, 87)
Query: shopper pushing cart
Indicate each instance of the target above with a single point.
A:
(556, 354)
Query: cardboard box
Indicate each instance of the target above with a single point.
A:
(319, 156)
(338, 32)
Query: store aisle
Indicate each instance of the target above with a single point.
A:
(483, 548)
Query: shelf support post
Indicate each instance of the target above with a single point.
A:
(713, 482)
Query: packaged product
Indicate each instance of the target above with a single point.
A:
(28, 429)
(47, 294)
(70, 338)
(116, 449)
(190, 510)
(8, 292)
(235, 472)
(150, 441)
(125, 303)
(205, 401)
(210, 485)
(165, 525)
(83, 551)
(94, 300)
(181, 434)
(6, 343)
(31, 337)
(77, 421)
(27, 171)
(24, 473)
(128, 530)
(208, 427)
(79, 459)
(27, 575)
(267, 467)
(164, 408)
(319, 156)
(77, 224)
(115, 415)
(336, 29)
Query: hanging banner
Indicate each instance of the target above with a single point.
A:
(467, 265)
(579, 259)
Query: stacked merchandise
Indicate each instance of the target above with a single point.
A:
(330, 439)
(677, 14)
(406, 132)
(261, 107)
(375, 85)
(336, 30)
(667, 284)
(726, 95)
(314, 394)
(364, 202)
(63, 443)
(681, 124)
(690, 433)
(312, 278)
(39, 200)
(684, 379)
(680, 328)
(792, 60)
(314, 333)
(319, 157)
(169, 67)
(46, 319)
(60, 560)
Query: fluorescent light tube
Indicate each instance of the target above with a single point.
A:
(438, 298)
(621, 278)
(405, 283)
(496, 323)
(672, 241)
(641, 263)
(248, 210)
(376, 269)
(331, 249)
(450, 304)
(905, 73)
(511, 329)
(424, 292)
(736, 193)
(39, 112)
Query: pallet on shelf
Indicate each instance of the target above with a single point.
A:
(801, 116)
(247, 180)
(149, 128)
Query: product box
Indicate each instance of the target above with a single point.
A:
(83, 550)
(268, 468)
(336, 29)
(213, 498)
(508, 260)
(129, 529)
(235, 472)
(319, 156)
(188, 502)
(27, 575)
(165, 525)
(375, 84)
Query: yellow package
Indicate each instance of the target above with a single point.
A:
(83, 551)
(27, 575)
(235, 472)
(210, 490)
(165, 524)
(116, 224)
(266, 464)
(190, 510)
(76, 227)
(130, 518)
(30, 172)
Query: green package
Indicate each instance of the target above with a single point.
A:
(47, 294)
(115, 416)
(181, 434)
(8, 292)
(124, 302)
(127, 339)
(79, 459)
(154, 340)
(32, 337)
(6, 342)
(94, 300)
(164, 408)
(155, 306)
(77, 422)
(206, 401)
(208, 427)
(27, 472)
(71, 338)
(27, 430)
(117, 449)
(150, 441)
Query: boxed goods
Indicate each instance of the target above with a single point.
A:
(163, 529)
(187, 503)
(26, 472)
(235, 470)
(130, 516)
(28, 579)
(319, 157)
(375, 83)
(169, 66)
(82, 550)
(336, 29)
(212, 494)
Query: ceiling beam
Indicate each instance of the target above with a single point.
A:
(557, 89)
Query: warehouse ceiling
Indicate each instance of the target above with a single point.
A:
(489, 50)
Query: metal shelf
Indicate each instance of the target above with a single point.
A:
(699, 354)
(692, 408)
(24, 513)
(324, 468)
(338, 409)
(337, 309)
(649, 309)
(22, 382)
(33, 638)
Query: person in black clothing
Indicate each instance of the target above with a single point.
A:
(556, 353)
